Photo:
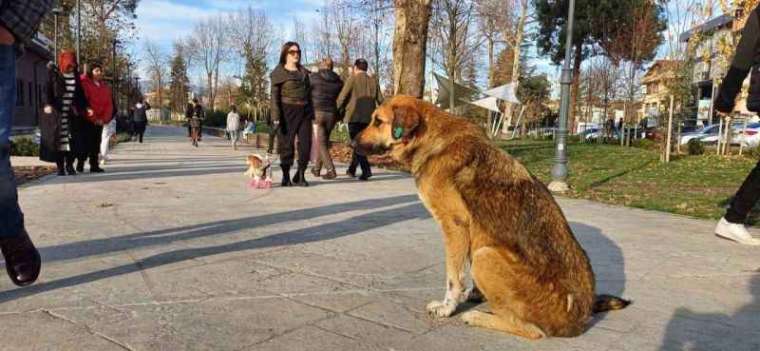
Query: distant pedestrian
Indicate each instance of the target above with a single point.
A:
(233, 126)
(325, 88)
(731, 226)
(140, 119)
(360, 96)
(100, 113)
(65, 106)
(292, 112)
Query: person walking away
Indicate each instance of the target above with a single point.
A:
(360, 96)
(325, 88)
(233, 126)
(141, 119)
(195, 111)
(100, 113)
(189, 110)
(18, 23)
(731, 226)
(292, 112)
(60, 125)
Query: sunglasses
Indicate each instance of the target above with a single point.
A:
(294, 52)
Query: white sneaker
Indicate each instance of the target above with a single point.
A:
(735, 232)
(103, 162)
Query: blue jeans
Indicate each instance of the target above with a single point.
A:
(11, 218)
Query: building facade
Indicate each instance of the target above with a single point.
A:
(31, 83)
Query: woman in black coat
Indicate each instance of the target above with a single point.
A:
(60, 125)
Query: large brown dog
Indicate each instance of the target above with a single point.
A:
(495, 215)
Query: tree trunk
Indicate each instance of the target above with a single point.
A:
(410, 46)
(491, 66)
(210, 92)
(516, 49)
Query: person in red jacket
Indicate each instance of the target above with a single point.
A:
(99, 114)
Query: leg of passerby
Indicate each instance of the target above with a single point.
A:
(94, 148)
(353, 131)
(318, 126)
(323, 133)
(105, 140)
(234, 139)
(305, 134)
(286, 139)
(69, 158)
(22, 261)
(60, 163)
(731, 226)
(272, 137)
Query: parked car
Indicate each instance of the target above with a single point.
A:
(709, 134)
(749, 137)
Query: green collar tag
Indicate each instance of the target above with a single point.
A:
(398, 132)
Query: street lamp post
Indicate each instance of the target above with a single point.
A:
(559, 171)
(56, 12)
(114, 73)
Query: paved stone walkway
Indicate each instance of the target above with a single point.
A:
(169, 250)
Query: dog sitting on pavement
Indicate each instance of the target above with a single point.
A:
(496, 217)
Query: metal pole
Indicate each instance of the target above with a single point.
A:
(670, 131)
(114, 74)
(559, 171)
(55, 34)
(79, 33)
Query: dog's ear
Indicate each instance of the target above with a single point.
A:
(405, 121)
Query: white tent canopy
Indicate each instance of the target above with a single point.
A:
(505, 92)
(490, 103)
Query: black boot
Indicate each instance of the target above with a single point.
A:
(80, 165)
(59, 163)
(300, 177)
(70, 165)
(286, 175)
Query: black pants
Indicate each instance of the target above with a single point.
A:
(294, 122)
(189, 131)
(353, 130)
(140, 129)
(63, 160)
(272, 137)
(325, 122)
(91, 137)
(745, 198)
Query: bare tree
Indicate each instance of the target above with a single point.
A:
(492, 20)
(453, 42)
(157, 62)
(346, 31)
(208, 48)
(299, 35)
(410, 46)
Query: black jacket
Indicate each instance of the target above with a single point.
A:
(50, 124)
(325, 88)
(290, 85)
(21, 17)
(747, 55)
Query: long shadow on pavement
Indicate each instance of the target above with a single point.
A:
(327, 231)
(104, 246)
(692, 330)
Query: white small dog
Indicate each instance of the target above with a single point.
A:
(257, 169)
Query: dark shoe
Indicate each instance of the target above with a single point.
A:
(315, 171)
(70, 170)
(330, 175)
(80, 166)
(22, 260)
(61, 172)
(96, 169)
(286, 176)
(365, 176)
(300, 178)
(351, 173)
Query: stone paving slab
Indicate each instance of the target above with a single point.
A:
(169, 250)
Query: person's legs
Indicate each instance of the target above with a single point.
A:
(286, 138)
(105, 144)
(22, 261)
(272, 137)
(731, 226)
(94, 148)
(325, 128)
(353, 130)
(363, 162)
(305, 134)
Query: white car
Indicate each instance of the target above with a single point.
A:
(749, 137)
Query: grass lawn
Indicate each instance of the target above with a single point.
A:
(698, 186)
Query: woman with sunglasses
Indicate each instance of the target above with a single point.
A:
(292, 112)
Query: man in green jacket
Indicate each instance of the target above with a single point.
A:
(359, 97)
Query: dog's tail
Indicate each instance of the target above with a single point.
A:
(605, 303)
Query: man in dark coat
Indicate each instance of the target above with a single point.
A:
(325, 88)
(359, 97)
(18, 23)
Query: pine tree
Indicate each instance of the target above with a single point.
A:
(180, 84)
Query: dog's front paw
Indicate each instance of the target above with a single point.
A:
(441, 309)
